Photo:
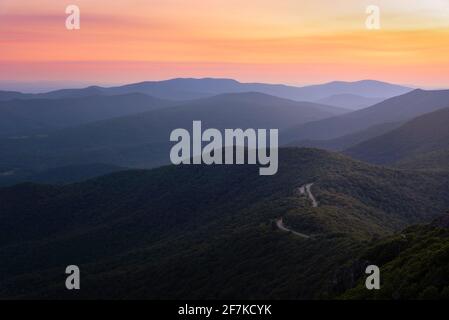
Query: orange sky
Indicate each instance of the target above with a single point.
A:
(287, 41)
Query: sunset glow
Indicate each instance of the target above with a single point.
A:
(295, 42)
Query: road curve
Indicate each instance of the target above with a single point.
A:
(310, 195)
(302, 190)
(281, 226)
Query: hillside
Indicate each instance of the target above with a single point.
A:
(58, 175)
(142, 140)
(351, 101)
(206, 232)
(436, 160)
(349, 140)
(37, 116)
(397, 109)
(424, 134)
(413, 264)
(11, 95)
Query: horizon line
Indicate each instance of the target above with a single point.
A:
(55, 85)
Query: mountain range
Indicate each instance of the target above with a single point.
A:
(132, 130)
(86, 180)
(397, 109)
(424, 134)
(142, 140)
(356, 94)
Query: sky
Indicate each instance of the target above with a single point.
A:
(276, 41)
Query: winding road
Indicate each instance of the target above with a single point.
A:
(310, 195)
(281, 226)
(305, 189)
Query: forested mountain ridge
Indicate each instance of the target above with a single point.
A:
(424, 134)
(396, 109)
(212, 223)
(413, 264)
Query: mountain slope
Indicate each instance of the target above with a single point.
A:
(349, 140)
(435, 160)
(206, 232)
(413, 264)
(11, 95)
(397, 109)
(142, 140)
(427, 133)
(59, 175)
(22, 117)
(351, 101)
